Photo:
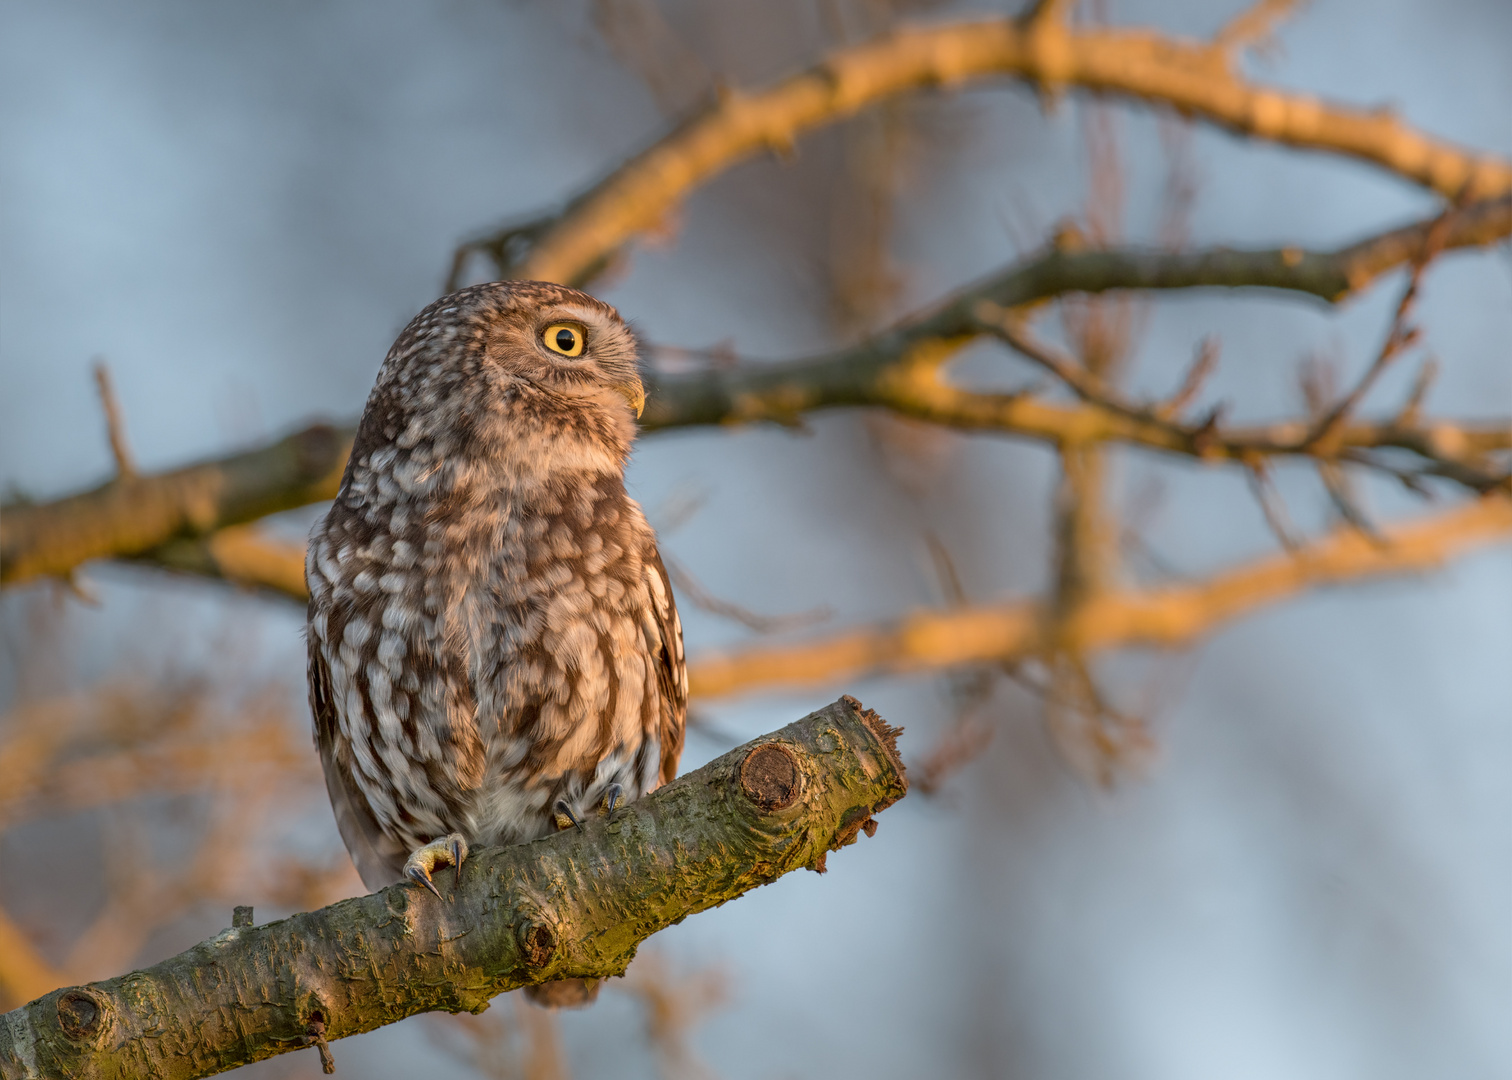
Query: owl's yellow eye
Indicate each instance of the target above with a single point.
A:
(564, 339)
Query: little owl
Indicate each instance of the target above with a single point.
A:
(494, 652)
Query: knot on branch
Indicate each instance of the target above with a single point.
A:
(771, 777)
(537, 943)
(81, 1014)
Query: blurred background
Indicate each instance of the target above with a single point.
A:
(1295, 859)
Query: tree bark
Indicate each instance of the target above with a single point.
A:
(574, 905)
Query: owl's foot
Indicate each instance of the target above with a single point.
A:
(612, 797)
(447, 851)
(565, 818)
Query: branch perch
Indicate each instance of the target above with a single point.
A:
(569, 906)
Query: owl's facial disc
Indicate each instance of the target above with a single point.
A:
(587, 348)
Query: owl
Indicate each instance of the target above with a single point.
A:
(494, 651)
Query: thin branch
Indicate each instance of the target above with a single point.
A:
(1400, 335)
(1253, 26)
(1411, 413)
(115, 426)
(1167, 617)
(1170, 615)
(1151, 425)
(517, 916)
(1272, 505)
(1203, 366)
(1196, 79)
(1346, 501)
(694, 591)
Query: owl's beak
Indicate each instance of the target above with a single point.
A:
(635, 394)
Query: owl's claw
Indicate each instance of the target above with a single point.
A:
(612, 795)
(565, 817)
(447, 851)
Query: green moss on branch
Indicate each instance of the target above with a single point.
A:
(570, 906)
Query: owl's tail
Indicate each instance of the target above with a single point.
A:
(564, 993)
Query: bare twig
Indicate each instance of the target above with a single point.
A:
(1203, 365)
(1253, 27)
(1399, 336)
(693, 590)
(1272, 505)
(115, 425)
(1411, 413)
(1341, 492)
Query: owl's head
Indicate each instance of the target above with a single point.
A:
(488, 364)
(561, 342)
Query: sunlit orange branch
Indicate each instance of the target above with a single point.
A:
(1197, 79)
(1169, 616)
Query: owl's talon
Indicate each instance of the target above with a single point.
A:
(418, 875)
(447, 851)
(612, 795)
(565, 817)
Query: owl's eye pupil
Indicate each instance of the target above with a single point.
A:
(563, 339)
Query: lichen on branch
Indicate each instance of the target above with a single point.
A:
(569, 906)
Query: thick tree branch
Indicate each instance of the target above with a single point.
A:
(146, 515)
(1194, 78)
(133, 515)
(1170, 616)
(570, 906)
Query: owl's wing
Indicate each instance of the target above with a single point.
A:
(379, 860)
(671, 666)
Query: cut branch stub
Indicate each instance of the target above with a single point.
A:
(770, 777)
(537, 944)
(570, 906)
(80, 1014)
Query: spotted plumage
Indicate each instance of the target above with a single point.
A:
(492, 635)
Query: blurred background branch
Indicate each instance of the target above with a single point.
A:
(1193, 78)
